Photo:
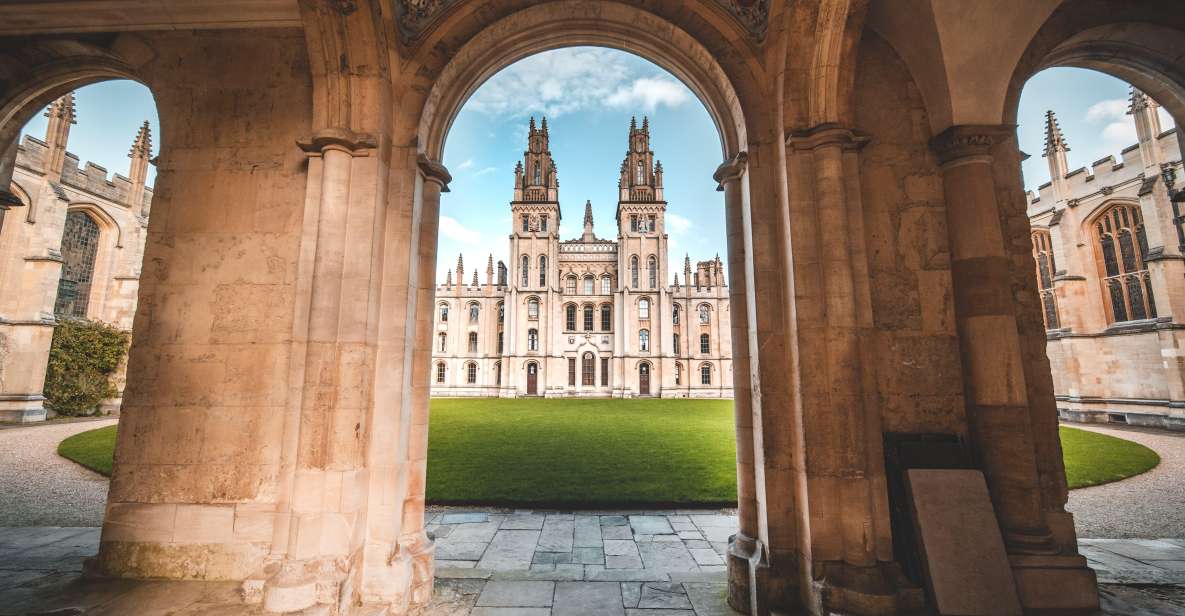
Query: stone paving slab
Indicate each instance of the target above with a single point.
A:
(516, 594)
(588, 599)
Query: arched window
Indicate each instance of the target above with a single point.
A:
(1043, 256)
(443, 342)
(526, 267)
(678, 373)
(444, 313)
(705, 343)
(652, 271)
(500, 336)
(640, 175)
(643, 308)
(705, 374)
(675, 343)
(474, 311)
(538, 173)
(471, 373)
(1123, 247)
(440, 372)
(675, 314)
(589, 283)
(634, 271)
(472, 342)
(588, 318)
(570, 317)
(570, 285)
(542, 270)
(532, 340)
(80, 244)
(588, 368)
(501, 312)
(606, 284)
(705, 314)
(497, 373)
(606, 317)
(533, 308)
(643, 340)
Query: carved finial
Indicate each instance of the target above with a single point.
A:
(588, 216)
(460, 268)
(490, 264)
(1055, 141)
(142, 146)
(676, 280)
(544, 126)
(474, 277)
(448, 279)
(633, 123)
(645, 124)
(532, 127)
(1138, 101)
(64, 109)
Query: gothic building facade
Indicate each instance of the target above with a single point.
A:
(1112, 296)
(71, 249)
(589, 317)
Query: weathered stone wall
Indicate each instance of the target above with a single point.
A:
(198, 458)
(919, 380)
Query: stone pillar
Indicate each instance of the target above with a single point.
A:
(851, 551)
(744, 549)
(999, 416)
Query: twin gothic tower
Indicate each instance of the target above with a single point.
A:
(587, 317)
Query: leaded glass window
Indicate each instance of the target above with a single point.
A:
(1043, 256)
(80, 245)
(1123, 248)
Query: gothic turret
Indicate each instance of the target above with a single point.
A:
(535, 208)
(1144, 111)
(1055, 153)
(588, 234)
(61, 114)
(138, 171)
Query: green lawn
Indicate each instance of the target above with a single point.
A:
(1093, 458)
(92, 449)
(573, 453)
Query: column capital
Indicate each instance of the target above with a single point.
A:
(434, 172)
(337, 138)
(8, 199)
(731, 170)
(967, 142)
(826, 135)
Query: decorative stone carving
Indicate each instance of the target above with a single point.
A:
(414, 16)
(969, 140)
(753, 15)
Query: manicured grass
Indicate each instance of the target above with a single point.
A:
(93, 449)
(1093, 459)
(570, 453)
(581, 452)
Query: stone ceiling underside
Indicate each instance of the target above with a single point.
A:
(416, 16)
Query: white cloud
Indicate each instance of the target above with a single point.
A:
(484, 171)
(1119, 130)
(454, 230)
(650, 92)
(465, 165)
(1107, 110)
(566, 81)
(677, 224)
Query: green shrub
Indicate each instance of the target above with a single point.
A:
(81, 359)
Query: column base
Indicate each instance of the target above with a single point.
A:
(302, 585)
(877, 590)
(756, 588)
(22, 409)
(1055, 583)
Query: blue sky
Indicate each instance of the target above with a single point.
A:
(588, 95)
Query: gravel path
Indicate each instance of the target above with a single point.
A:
(40, 488)
(1149, 506)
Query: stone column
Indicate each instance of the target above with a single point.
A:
(744, 550)
(851, 554)
(999, 413)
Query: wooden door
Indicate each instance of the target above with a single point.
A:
(644, 379)
(532, 379)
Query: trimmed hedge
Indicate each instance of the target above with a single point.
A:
(82, 358)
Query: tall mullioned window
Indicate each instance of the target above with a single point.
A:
(652, 272)
(705, 343)
(1043, 256)
(472, 342)
(571, 371)
(443, 342)
(606, 317)
(604, 372)
(675, 314)
(705, 374)
(440, 372)
(471, 373)
(532, 340)
(606, 285)
(542, 270)
(705, 314)
(444, 313)
(1122, 248)
(588, 318)
(678, 373)
(532, 308)
(634, 271)
(588, 368)
(570, 317)
(474, 311)
(526, 270)
(675, 342)
(643, 308)
(644, 340)
(570, 285)
(589, 283)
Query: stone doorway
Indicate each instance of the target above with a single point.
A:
(532, 379)
(644, 379)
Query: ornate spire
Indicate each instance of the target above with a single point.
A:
(645, 124)
(676, 281)
(474, 277)
(62, 115)
(532, 126)
(633, 123)
(140, 154)
(1138, 101)
(460, 269)
(142, 146)
(448, 279)
(1055, 141)
(686, 266)
(543, 127)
